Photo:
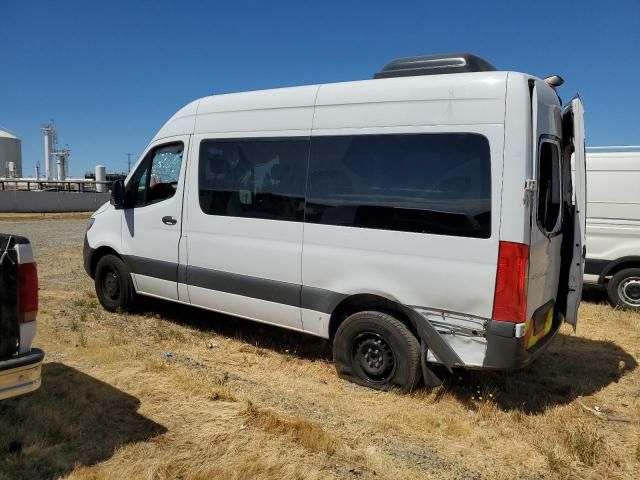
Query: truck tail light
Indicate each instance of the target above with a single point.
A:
(27, 292)
(510, 303)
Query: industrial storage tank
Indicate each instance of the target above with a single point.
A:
(101, 176)
(10, 155)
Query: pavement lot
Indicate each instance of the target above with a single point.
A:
(240, 400)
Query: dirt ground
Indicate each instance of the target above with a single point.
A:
(175, 392)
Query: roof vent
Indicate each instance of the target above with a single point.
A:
(434, 65)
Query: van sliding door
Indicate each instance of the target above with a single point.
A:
(244, 226)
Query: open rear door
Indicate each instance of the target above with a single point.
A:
(573, 133)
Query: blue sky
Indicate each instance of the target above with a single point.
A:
(111, 73)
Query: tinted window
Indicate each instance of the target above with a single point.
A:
(427, 183)
(254, 178)
(156, 178)
(549, 197)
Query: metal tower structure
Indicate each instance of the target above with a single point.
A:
(50, 139)
(51, 150)
(63, 162)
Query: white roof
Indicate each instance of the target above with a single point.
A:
(5, 134)
(289, 109)
(608, 161)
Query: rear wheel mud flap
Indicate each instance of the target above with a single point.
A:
(428, 375)
(431, 339)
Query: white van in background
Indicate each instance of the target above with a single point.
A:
(613, 223)
(424, 217)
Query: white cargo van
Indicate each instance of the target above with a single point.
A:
(613, 223)
(424, 217)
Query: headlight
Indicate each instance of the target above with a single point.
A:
(90, 223)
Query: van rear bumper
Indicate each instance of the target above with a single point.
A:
(507, 352)
(21, 374)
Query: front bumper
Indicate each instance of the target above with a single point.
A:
(87, 254)
(21, 374)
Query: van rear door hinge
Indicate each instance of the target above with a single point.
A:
(530, 185)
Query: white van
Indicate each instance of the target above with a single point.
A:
(613, 223)
(424, 217)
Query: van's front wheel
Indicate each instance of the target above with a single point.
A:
(113, 284)
(624, 289)
(377, 350)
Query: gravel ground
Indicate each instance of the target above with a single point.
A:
(46, 234)
(57, 248)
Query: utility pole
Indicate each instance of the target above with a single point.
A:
(129, 162)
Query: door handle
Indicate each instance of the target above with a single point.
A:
(168, 220)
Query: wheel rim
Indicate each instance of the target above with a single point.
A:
(375, 358)
(111, 284)
(629, 291)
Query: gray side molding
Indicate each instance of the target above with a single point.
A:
(312, 298)
(429, 335)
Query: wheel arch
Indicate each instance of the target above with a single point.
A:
(368, 301)
(613, 267)
(98, 254)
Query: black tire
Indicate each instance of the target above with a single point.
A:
(113, 284)
(623, 289)
(376, 350)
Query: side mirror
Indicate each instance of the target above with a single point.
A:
(117, 194)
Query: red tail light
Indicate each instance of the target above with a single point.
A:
(510, 303)
(27, 292)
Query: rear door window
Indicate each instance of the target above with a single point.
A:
(549, 187)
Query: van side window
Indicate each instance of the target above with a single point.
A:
(426, 183)
(261, 178)
(549, 187)
(157, 176)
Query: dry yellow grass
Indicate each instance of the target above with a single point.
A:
(266, 403)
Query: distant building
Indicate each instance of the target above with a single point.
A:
(10, 155)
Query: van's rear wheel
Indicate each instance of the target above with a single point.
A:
(624, 289)
(377, 350)
(113, 284)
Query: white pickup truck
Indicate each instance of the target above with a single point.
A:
(20, 365)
